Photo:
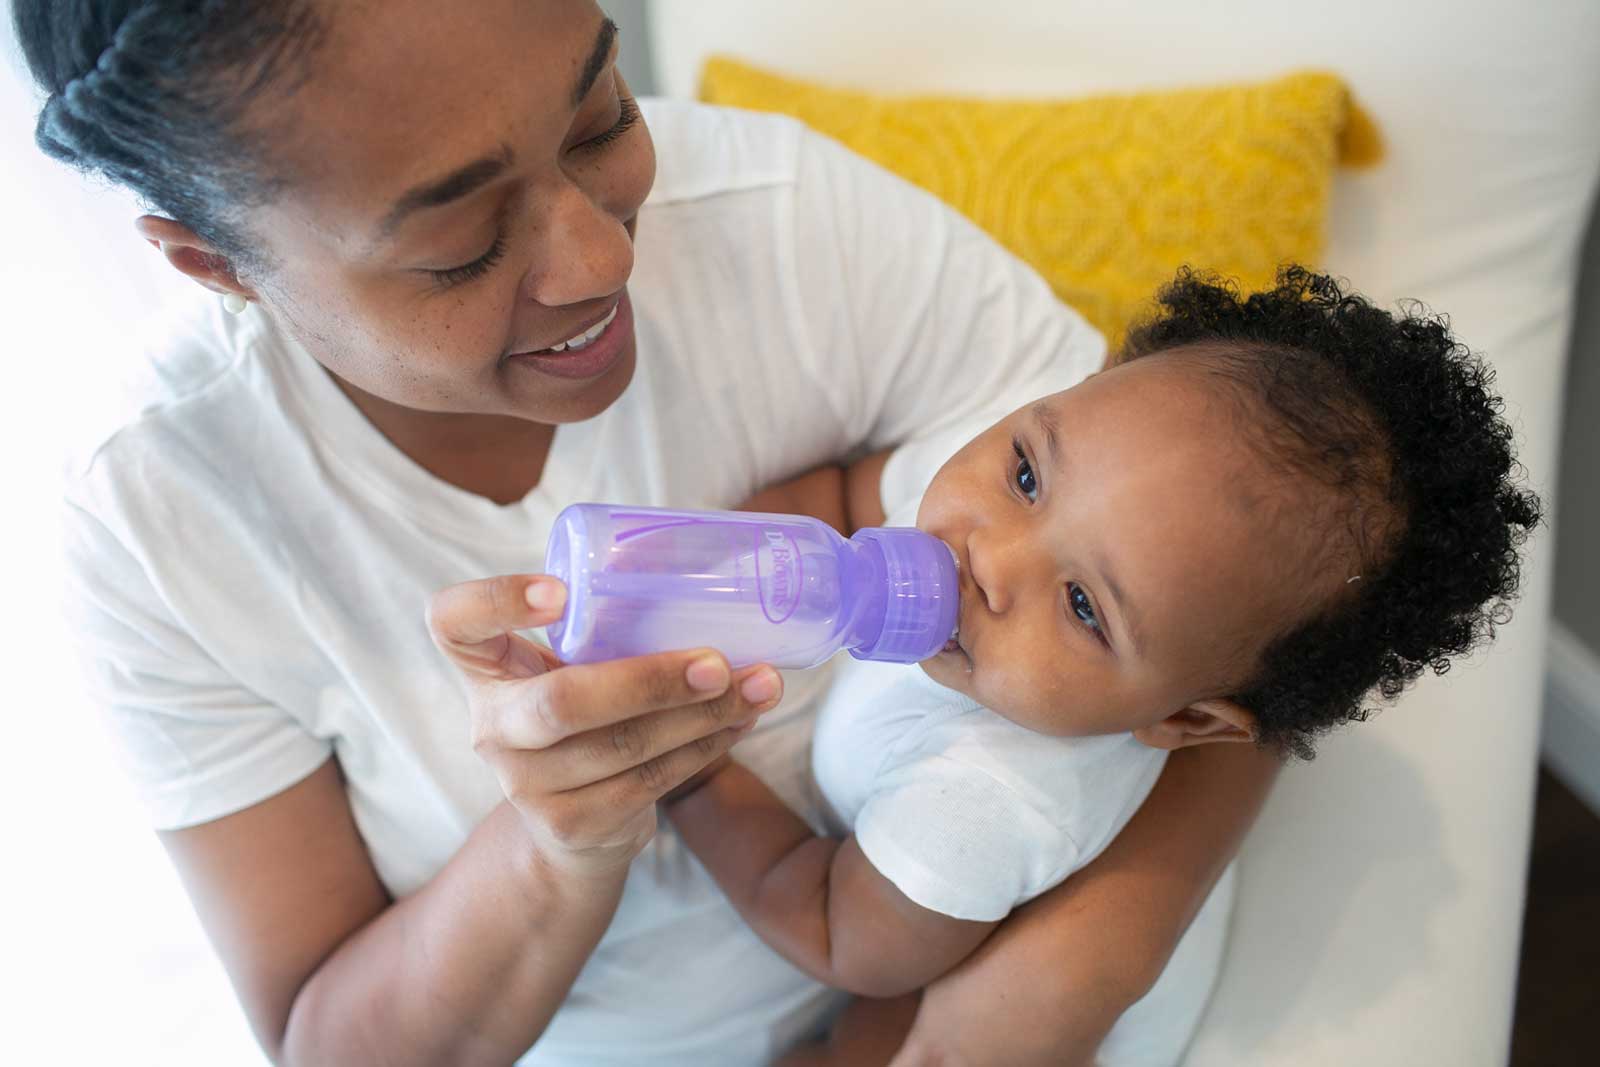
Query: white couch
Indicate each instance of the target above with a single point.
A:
(1381, 892)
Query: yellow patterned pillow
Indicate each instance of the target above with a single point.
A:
(1105, 196)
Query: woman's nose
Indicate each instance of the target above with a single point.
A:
(582, 251)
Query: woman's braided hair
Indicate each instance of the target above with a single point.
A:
(1402, 422)
(152, 94)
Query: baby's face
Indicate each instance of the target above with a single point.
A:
(1122, 556)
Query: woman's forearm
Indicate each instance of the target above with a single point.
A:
(1151, 881)
(468, 970)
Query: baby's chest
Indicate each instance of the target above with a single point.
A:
(868, 723)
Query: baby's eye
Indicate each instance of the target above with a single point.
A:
(1024, 476)
(1079, 604)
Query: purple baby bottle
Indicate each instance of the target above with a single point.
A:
(780, 589)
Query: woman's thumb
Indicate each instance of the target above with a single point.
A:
(472, 623)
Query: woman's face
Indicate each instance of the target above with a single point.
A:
(463, 182)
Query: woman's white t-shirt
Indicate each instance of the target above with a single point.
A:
(250, 559)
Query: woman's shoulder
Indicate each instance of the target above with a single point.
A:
(705, 151)
(181, 374)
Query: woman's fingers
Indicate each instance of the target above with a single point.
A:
(584, 752)
(539, 713)
(580, 814)
(601, 753)
(472, 623)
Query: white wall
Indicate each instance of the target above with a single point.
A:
(634, 59)
(1577, 594)
(1571, 741)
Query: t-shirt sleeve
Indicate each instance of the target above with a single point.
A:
(196, 744)
(930, 329)
(957, 841)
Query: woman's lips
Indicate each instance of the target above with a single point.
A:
(593, 358)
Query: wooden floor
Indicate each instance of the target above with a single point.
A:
(1558, 985)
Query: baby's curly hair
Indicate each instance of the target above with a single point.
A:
(1399, 419)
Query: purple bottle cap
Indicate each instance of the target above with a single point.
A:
(924, 595)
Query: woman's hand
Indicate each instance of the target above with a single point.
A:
(584, 752)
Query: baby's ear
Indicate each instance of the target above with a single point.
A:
(1200, 723)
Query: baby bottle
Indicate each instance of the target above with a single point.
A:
(780, 589)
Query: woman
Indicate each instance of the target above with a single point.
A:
(425, 224)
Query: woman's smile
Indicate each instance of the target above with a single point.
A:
(590, 353)
(580, 339)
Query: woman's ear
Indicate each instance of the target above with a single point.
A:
(191, 256)
(1200, 723)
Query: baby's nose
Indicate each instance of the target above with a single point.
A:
(985, 576)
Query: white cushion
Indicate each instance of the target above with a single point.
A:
(1381, 893)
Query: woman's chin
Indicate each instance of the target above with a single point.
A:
(548, 399)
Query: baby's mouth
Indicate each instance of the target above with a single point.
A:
(954, 643)
(955, 647)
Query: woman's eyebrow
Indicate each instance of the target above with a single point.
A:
(468, 179)
(453, 186)
(599, 55)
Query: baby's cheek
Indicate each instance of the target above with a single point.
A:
(1063, 697)
(931, 512)
(1040, 700)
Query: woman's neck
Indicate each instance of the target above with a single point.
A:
(494, 456)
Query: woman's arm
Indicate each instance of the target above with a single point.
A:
(817, 901)
(1048, 985)
(469, 969)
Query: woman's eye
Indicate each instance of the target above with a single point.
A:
(1079, 604)
(1023, 475)
(476, 269)
(627, 118)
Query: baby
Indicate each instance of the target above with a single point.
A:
(1263, 513)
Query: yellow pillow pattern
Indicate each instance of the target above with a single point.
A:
(1105, 196)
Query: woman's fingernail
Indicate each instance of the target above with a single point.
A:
(546, 596)
(707, 674)
(760, 687)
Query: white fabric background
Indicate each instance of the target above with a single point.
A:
(95, 925)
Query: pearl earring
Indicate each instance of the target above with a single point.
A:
(234, 304)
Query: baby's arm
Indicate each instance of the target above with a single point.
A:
(818, 902)
(845, 498)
